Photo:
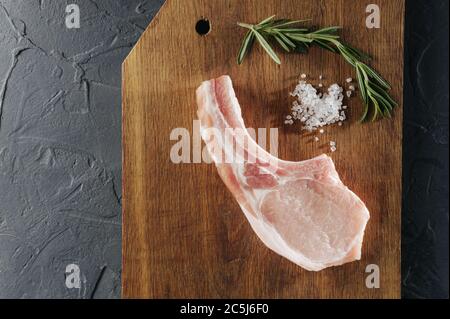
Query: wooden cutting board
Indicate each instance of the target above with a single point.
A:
(184, 236)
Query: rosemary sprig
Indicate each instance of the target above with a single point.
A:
(292, 38)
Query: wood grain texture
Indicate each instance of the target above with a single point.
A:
(184, 236)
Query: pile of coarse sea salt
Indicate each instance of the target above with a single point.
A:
(315, 110)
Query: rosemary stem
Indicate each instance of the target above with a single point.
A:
(245, 25)
(374, 89)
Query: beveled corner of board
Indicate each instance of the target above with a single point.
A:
(153, 23)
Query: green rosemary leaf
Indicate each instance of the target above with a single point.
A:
(277, 22)
(347, 55)
(386, 109)
(376, 109)
(376, 76)
(267, 20)
(291, 30)
(266, 46)
(324, 45)
(245, 25)
(380, 97)
(357, 53)
(365, 112)
(361, 84)
(286, 22)
(385, 94)
(286, 40)
(326, 37)
(383, 108)
(328, 30)
(329, 35)
(246, 46)
(299, 37)
(281, 43)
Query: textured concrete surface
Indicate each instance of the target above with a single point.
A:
(60, 150)
(425, 151)
(60, 144)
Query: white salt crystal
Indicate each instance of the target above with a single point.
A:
(303, 76)
(314, 109)
(349, 80)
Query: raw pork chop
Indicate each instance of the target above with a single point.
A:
(300, 210)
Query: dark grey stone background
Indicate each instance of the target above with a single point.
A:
(60, 146)
(425, 151)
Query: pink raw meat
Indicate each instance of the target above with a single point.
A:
(300, 210)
